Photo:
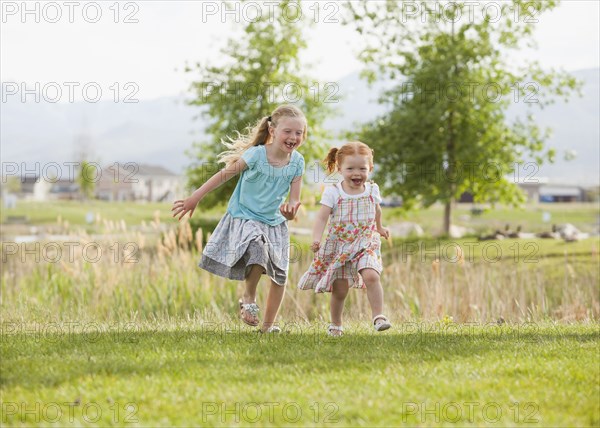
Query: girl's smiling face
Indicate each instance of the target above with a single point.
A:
(355, 170)
(288, 134)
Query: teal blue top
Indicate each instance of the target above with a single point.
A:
(262, 187)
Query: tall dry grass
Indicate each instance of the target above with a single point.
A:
(151, 273)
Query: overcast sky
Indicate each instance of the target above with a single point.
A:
(152, 52)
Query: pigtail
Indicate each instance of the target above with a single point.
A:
(336, 156)
(371, 159)
(330, 161)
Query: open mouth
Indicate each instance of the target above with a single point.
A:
(290, 145)
(356, 181)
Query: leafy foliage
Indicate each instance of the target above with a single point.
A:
(447, 130)
(262, 71)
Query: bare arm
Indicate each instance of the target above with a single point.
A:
(189, 205)
(290, 209)
(295, 189)
(383, 231)
(219, 178)
(319, 227)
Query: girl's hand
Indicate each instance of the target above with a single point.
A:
(289, 210)
(315, 246)
(384, 231)
(184, 206)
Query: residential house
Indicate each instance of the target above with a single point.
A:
(132, 181)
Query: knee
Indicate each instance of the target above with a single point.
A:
(339, 289)
(369, 276)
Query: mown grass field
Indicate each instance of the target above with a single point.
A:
(220, 374)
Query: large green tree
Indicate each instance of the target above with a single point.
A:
(446, 130)
(261, 70)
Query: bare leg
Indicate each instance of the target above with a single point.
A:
(249, 314)
(338, 297)
(251, 283)
(274, 299)
(374, 290)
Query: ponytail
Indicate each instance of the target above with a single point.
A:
(331, 160)
(256, 136)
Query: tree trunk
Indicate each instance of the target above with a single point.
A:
(451, 157)
(447, 212)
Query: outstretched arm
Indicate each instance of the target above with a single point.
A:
(189, 205)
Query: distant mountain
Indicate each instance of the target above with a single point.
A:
(575, 131)
(154, 132)
(160, 131)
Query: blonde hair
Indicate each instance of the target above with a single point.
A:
(258, 134)
(335, 156)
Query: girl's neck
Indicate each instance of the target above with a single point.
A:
(274, 155)
(349, 191)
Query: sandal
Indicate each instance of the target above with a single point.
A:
(249, 313)
(335, 330)
(272, 329)
(383, 323)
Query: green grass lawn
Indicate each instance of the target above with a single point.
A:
(75, 212)
(225, 375)
(584, 215)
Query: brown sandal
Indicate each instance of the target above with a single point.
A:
(249, 313)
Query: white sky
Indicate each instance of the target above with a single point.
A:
(153, 51)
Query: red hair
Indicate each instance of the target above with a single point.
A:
(335, 156)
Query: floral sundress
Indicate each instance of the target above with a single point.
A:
(352, 244)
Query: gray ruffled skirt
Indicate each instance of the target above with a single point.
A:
(237, 243)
